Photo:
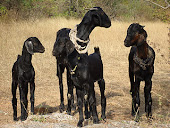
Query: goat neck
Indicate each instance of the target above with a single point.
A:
(84, 30)
(142, 50)
(27, 57)
(73, 59)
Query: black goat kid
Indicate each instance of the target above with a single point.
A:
(85, 70)
(94, 17)
(141, 66)
(22, 74)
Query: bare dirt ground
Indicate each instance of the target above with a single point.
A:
(115, 59)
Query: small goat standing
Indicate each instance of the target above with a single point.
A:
(141, 66)
(22, 74)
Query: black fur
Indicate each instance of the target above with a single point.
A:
(92, 18)
(84, 71)
(141, 66)
(63, 51)
(22, 74)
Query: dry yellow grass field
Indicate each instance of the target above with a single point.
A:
(115, 59)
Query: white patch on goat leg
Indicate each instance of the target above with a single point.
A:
(69, 96)
(85, 97)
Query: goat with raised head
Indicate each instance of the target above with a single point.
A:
(141, 66)
(79, 38)
(22, 74)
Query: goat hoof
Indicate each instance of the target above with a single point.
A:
(73, 107)
(87, 115)
(23, 118)
(68, 112)
(80, 124)
(149, 116)
(103, 117)
(150, 119)
(133, 113)
(15, 118)
(32, 113)
(136, 119)
(95, 121)
(61, 108)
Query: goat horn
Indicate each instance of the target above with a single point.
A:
(143, 26)
(87, 8)
(93, 9)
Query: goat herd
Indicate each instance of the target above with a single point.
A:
(70, 50)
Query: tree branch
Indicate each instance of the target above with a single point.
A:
(168, 5)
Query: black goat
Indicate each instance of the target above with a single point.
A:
(22, 74)
(84, 70)
(94, 17)
(141, 66)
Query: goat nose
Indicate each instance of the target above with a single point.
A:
(53, 53)
(43, 49)
(126, 43)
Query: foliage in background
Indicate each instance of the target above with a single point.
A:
(117, 9)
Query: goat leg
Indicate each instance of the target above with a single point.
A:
(80, 96)
(137, 86)
(103, 98)
(60, 70)
(32, 90)
(92, 102)
(148, 98)
(70, 96)
(14, 100)
(136, 99)
(86, 104)
(23, 88)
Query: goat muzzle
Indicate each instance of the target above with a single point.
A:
(53, 53)
(126, 43)
(42, 50)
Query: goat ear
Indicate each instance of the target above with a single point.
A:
(142, 26)
(29, 47)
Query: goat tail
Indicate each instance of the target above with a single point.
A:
(96, 50)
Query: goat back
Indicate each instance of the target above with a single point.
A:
(95, 66)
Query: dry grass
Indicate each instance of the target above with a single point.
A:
(115, 59)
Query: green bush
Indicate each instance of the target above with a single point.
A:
(125, 10)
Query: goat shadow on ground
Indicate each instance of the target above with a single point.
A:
(98, 99)
(43, 109)
(160, 104)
